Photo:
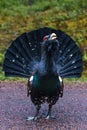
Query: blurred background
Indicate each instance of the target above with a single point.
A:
(19, 16)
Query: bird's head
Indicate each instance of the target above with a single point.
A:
(49, 37)
(50, 44)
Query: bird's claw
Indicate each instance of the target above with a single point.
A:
(32, 118)
(49, 117)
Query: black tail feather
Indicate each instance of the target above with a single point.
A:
(26, 49)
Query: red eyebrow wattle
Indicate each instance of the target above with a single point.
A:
(44, 38)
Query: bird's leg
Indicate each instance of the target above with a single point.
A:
(36, 114)
(49, 112)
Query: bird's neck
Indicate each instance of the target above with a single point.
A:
(46, 64)
(47, 60)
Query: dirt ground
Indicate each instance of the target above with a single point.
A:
(70, 111)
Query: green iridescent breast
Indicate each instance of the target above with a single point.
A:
(46, 84)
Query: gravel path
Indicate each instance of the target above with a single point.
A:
(70, 111)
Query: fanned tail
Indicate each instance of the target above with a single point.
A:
(68, 58)
(26, 49)
(23, 51)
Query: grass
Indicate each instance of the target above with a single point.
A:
(18, 16)
(37, 6)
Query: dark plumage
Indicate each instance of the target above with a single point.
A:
(45, 57)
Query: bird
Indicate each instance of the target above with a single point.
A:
(45, 57)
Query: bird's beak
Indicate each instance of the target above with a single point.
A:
(53, 36)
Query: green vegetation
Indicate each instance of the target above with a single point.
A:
(19, 16)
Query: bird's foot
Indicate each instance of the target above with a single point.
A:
(36, 118)
(32, 118)
(49, 117)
